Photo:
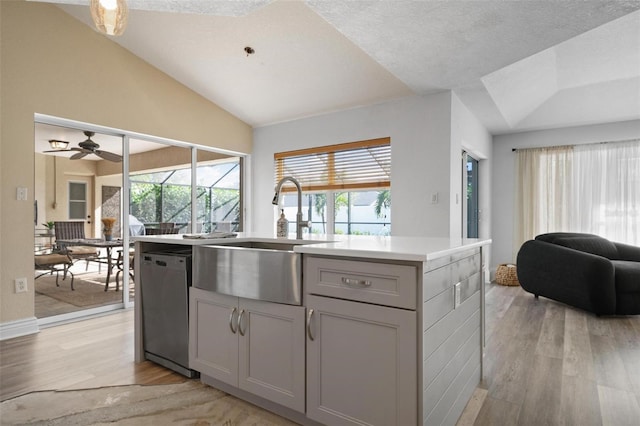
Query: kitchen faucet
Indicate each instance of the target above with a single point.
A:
(276, 199)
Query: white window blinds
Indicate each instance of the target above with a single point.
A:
(354, 165)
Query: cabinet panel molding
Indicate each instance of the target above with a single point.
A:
(361, 364)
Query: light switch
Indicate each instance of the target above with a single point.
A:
(21, 194)
(434, 198)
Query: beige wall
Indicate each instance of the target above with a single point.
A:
(52, 64)
(65, 170)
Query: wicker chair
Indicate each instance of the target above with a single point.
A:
(73, 231)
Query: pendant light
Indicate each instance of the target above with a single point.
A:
(110, 16)
(57, 144)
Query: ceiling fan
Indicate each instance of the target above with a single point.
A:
(90, 147)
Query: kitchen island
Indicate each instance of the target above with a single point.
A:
(389, 330)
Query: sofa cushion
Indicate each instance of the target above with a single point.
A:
(594, 245)
(627, 276)
(552, 237)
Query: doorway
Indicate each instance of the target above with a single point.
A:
(471, 210)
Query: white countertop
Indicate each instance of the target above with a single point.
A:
(420, 249)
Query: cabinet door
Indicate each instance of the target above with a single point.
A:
(272, 352)
(213, 343)
(361, 363)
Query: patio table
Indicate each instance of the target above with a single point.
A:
(99, 243)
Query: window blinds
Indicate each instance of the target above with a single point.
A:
(354, 165)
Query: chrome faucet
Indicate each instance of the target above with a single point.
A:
(276, 199)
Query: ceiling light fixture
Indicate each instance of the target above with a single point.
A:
(56, 144)
(110, 16)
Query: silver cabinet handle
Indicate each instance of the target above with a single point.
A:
(309, 315)
(352, 281)
(240, 323)
(233, 311)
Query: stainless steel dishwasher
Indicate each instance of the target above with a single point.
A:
(165, 279)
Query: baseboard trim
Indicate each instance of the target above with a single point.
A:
(21, 327)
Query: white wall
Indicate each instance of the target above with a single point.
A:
(467, 133)
(503, 177)
(427, 135)
(419, 128)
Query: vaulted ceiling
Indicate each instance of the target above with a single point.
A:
(517, 65)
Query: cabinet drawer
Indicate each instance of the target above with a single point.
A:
(379, 283)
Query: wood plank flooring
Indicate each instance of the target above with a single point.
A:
(545, 363)
(550, 364)
(85, 354)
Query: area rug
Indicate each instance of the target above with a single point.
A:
(89, 289)
(188, 403)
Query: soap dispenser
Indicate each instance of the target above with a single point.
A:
(283, 225)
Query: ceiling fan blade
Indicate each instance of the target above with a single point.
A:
(110, 156)
(57, 150)
(79, 155)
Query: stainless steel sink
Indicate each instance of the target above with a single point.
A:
(266, 245)
(268, 271)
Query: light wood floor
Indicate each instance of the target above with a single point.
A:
(85, 354)
(549, 364)
(545, 363)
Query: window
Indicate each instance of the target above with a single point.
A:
(590, 188)
(363, 212)
(165, 196)
(471, 200)
(77, 200)
(346, 187)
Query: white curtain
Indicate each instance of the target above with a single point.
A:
(592, 188)
(542, 192)
(606, 191)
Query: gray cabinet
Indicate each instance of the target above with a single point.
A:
(361, 363)
(392, 343)
(255, 346)
(362, 354)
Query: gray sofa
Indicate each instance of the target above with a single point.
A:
(582, 270)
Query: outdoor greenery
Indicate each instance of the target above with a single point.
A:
(383, 202)
(348, 218)
(166, 197)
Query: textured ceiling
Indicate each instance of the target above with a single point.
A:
(518, 66)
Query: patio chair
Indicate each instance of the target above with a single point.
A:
(54, 262)
(120, 265)
(73, 231)
(163, 228)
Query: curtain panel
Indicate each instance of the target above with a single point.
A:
(593, 188)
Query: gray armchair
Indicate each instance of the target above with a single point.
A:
(582, 270)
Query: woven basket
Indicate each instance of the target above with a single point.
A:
(506, 274)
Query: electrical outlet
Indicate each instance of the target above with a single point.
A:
(456, 295)
(21, 285)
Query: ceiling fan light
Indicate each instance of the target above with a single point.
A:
(56, 144)
(110, 16)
